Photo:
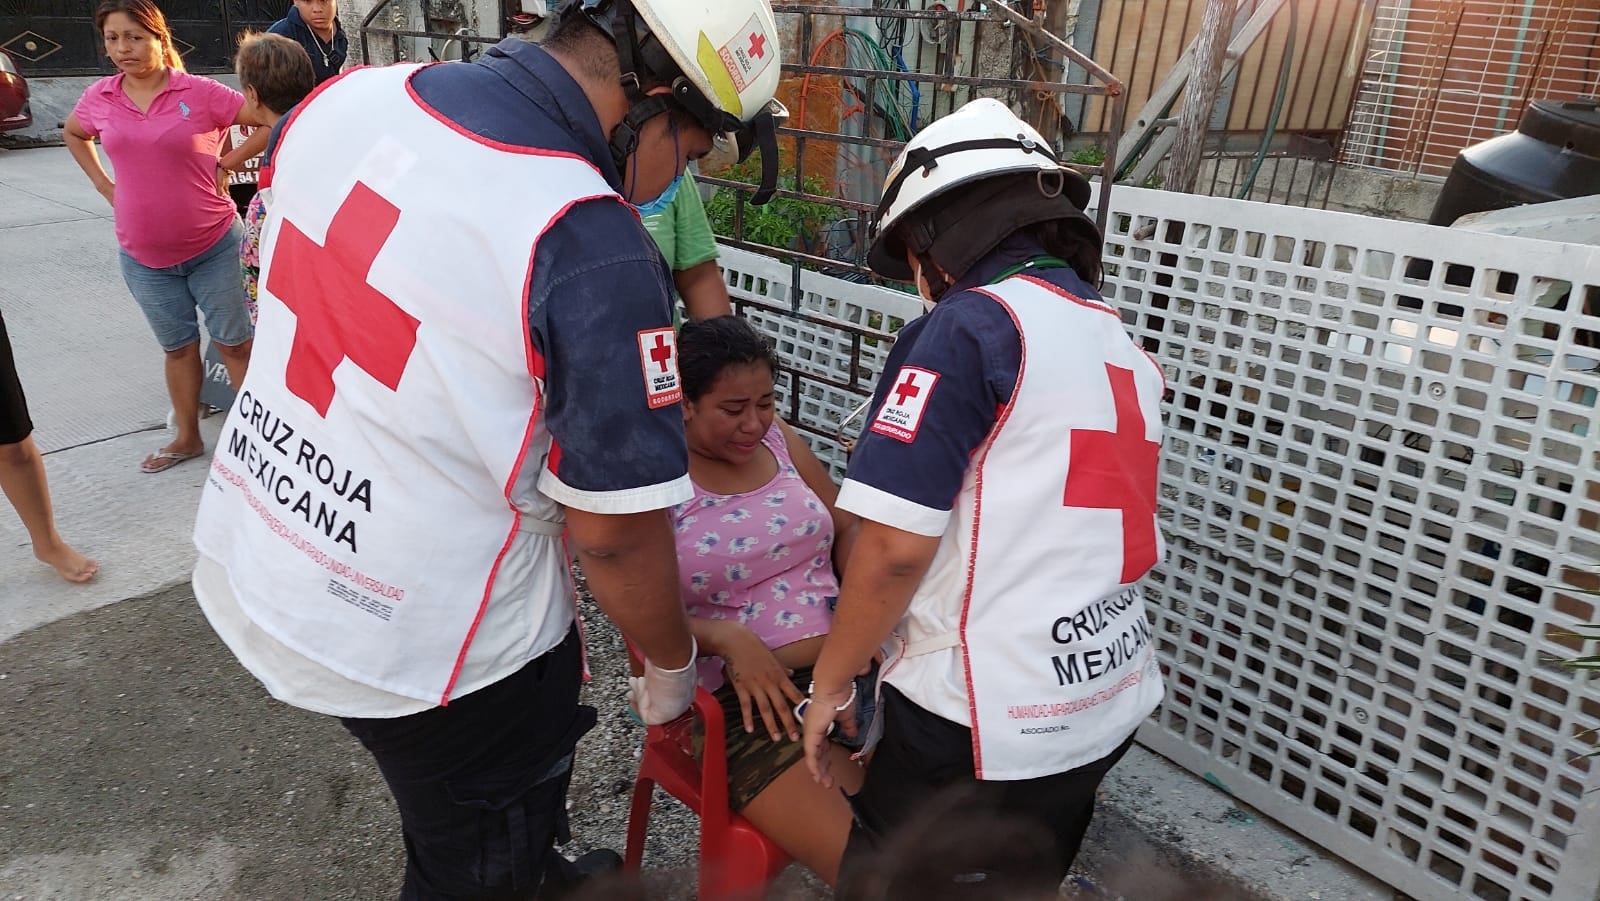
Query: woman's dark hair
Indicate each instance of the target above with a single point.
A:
(278, 68)
(708, 346)
(146, 15)
(957, 845)
(1076, 242)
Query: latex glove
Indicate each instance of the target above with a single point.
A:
(662, 695)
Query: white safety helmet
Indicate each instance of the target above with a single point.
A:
(981, 141)
(720, 57)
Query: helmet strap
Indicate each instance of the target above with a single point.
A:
(615, 18)
(764, 131)
(938, 286)
(624, 138)
(618, 20)
(926, 159)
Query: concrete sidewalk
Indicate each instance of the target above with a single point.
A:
(93, 376)
(137, 760)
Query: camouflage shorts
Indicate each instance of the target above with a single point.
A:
(754, 759)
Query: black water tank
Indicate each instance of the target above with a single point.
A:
(1554, 154)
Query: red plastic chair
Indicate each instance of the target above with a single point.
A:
(736, 859)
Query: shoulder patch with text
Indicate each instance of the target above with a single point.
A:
(901, 413)
(658, 356)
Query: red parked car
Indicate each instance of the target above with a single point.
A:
(14, 111)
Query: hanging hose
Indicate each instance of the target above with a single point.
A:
(916, 93)
(887, 101)
(1277, 101)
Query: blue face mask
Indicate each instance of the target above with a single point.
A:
(660, 203)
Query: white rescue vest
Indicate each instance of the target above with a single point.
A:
(1030, 625)
(373, 494)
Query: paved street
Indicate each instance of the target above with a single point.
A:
(136, 759)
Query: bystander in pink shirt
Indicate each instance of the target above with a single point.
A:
(168, 209)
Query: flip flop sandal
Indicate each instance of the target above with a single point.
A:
(164, 461)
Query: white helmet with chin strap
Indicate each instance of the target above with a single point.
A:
(981, 141)
(719, 57)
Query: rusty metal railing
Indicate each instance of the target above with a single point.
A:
(946, 75)
(461, 36)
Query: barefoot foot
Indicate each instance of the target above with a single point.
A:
(71, 565)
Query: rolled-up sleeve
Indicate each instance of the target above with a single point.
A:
(600, 318)
(934, 408)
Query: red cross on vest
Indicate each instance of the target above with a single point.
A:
(661, 354)
(1118, 471)
(907, 389)
(338, 316)
(758, 45)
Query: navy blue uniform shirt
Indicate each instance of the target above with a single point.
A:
(597, 282)
(973, 345)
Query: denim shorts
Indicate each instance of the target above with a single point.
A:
(208, 283)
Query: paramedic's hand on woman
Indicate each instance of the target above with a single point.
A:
(822, 714)
(759, 679)
(886, 566)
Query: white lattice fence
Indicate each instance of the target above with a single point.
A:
(1379, 467)
(832, 335)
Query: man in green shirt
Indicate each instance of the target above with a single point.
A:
(680, 229)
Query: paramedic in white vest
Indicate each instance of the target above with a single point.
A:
(469, 369)
(1006, 483)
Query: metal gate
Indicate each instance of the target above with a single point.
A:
(57, 37)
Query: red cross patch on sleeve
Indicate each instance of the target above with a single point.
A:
(658, 356)
(901, 413)
(748, 54)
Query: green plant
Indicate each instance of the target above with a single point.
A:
(1583, 634)
(1095, 155)
(1587, 632)
(785, 222)
(1089, 155)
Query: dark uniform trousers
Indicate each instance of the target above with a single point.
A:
(927, 828)
(481, 783)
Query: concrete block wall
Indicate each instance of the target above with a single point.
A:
(1302, 182)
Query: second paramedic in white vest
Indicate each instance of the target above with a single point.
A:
(1006, 484)
(470, 369)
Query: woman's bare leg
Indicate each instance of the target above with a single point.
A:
(184, 377)
(23, 481)
(236, 359)
(809, 822)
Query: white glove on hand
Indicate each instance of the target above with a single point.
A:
(662, 695)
